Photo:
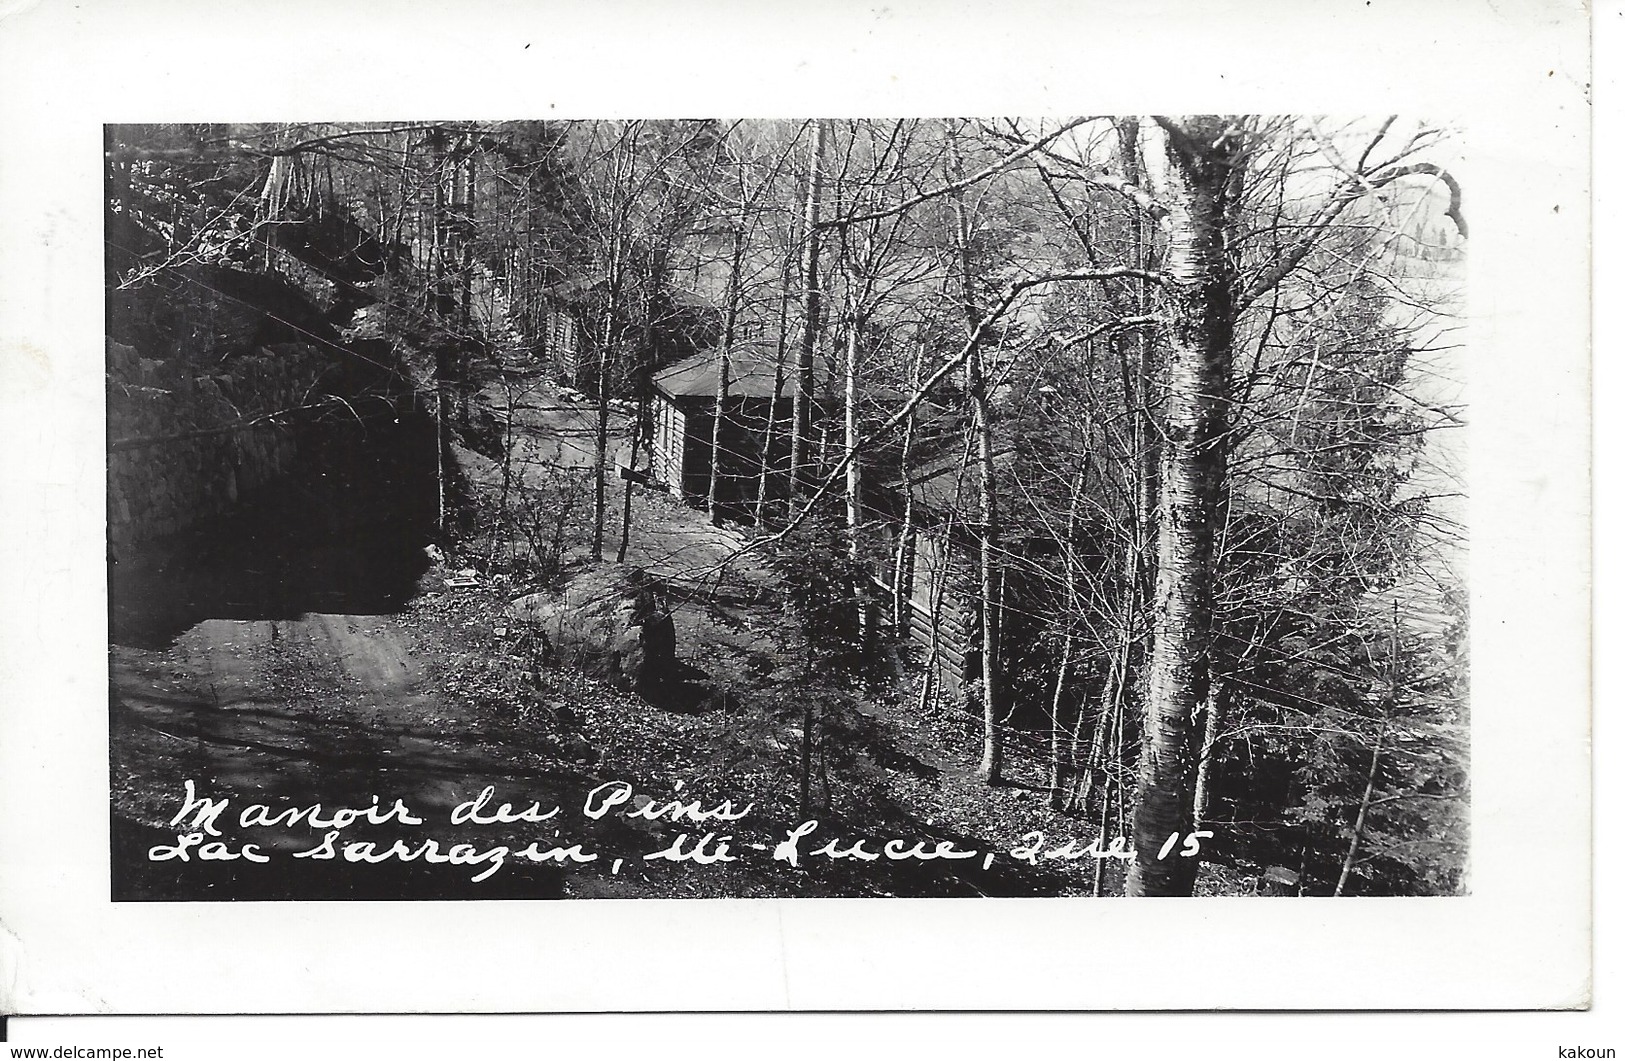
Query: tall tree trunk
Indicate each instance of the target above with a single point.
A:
(638, 441)
(1391, 702)
(809, 721)
(713, 493)
(600, 449)
(607, 346)
(1057, 778)
(764, 486)
(854, 491)
(802, 410)
(600, 452)
(936, 597)
(1212, 718)
(1107, 724)
(1136, 361)
(1113, 697)
(1141, 362)
(465, 254)
(903, 561)
(273, 196)
(1365, 806)
(501, 525)
(437, 265)
(460, 180)
(1204, 160)
(989, 581)
(1138, 348)
(1075, 798)
(992, 762)
(854, 477)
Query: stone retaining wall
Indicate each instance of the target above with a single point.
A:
(179, 447)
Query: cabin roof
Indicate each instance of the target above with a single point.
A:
(941, 473)
(688, 298)
(574, 291)
(752, 366)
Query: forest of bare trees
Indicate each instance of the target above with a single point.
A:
(1126, 447)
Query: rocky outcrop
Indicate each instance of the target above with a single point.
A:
(185, 445)
(222, 382)
(206, 315)
(612, 622)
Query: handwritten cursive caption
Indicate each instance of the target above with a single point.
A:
(723, 839)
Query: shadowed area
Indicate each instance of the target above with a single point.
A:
(346, 536)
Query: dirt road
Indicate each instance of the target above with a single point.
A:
(278, 659)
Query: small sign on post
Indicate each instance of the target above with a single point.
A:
(641, 478)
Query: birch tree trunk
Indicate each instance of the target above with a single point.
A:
(1212, 718)
(437, 264)
(273, 196)
(464, 205)
(854, 477)
(1057, 778)
(992, 694)
(802, 410)
(903, 560)
(1203, 155)
(608, 352)
(988, 540)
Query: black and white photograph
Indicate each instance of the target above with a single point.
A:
(761, 508)
(553, 510)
